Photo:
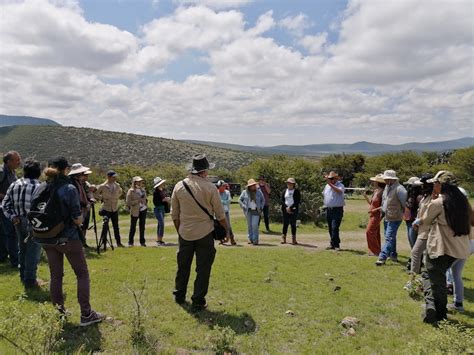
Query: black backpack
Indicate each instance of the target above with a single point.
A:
(45, 216)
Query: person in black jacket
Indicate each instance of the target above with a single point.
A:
(290, 202)
(162, 205)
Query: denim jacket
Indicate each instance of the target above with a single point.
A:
(244, 200)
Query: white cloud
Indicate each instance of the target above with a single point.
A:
(215, 4)
(296, 24)
(396, 67)
(314, 44)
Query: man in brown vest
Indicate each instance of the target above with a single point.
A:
(393, 204)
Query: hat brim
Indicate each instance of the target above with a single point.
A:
(159, 184)
(88, 172)
(192, 170)
(375, 179)
(253, 184)
(82, 170)
(390, 178)
(432, 181)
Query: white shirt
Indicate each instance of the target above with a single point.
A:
(289, 200)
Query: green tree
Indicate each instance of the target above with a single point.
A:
(346, 165)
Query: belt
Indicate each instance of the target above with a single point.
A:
(333, 208)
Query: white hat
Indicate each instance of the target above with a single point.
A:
(78, 169)
(291, 180)
(389, 175)
(412, 181)
(137, 179)
(88, 172)
(157, 182)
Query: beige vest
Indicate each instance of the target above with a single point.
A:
(394, 210)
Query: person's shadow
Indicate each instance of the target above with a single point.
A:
(240, 324)
(81, 339)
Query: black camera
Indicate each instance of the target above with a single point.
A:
(102, 212)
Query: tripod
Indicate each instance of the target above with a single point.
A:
(94, 227)
(103, 241)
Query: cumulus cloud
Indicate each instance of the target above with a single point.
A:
(215, 4)
(396, 67)
(296, 24)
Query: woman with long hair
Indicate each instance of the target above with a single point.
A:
(375, 215)
(447, 222)
(162, 205)
(68, 243)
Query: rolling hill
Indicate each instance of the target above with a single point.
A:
(6, 120)
(95, 147)
(359, 147)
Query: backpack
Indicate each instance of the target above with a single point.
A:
(45, 214)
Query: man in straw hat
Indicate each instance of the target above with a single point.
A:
(195, 229)
(334, 201)
(393, 205)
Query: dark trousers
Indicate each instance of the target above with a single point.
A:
(141, 226)
(113, 217)
(434, 284)
(85, 223)
(266, 218)
(289, 219)
(205, 254)
(334, 218)
(8, 241)
(75, 255)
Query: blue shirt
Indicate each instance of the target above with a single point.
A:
(333, 198)
(71, 209)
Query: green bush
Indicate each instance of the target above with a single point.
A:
(31, 332)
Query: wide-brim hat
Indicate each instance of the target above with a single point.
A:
(291, 181)
(332, 174)
(200, 163)
(251, 182)
(88, 172)
(78, 168)
(378, 178)
(412, 181)
(137, 179)
(158, 182)
(443, 177)
(390, 175)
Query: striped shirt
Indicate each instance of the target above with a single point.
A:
(17, 201)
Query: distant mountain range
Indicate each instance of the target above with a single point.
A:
(25, 120)
(359, 147)
(95, 146)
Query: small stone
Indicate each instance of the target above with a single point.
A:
(337, 288)
(290, 313)
(248, 323)
(349, 322)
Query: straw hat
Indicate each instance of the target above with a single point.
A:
(378, 178)
(291, 181)
(443, 177)
(251, 182)
(158, 182)
(136, 179)
(389, 175)
(412, 181)
(78, 169)
(332, 174)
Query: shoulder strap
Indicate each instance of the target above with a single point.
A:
(189, 190)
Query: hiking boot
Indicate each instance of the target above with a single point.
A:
(283, 239)
(143, 245)
(293, 240)
(232, 240)
(380, 262)
(429, 316)
(93, 317)
(455, 307)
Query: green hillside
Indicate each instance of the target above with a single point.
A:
(103, 148)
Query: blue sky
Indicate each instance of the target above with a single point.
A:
(255, 72)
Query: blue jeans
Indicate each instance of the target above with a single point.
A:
(252, 223)
(29, 255)
(160, 216)
(411, 233)
(389, 248)
(456, 274)
(8, 240)
(334, 218)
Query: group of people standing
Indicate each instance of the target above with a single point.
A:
(439, 218)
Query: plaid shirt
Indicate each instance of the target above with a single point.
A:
(17, 201)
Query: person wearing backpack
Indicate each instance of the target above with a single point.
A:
(8, 240)
(67, 242)
(16, 205)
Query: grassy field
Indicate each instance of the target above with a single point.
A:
(266, 299)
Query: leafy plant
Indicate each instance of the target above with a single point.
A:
(222, 340)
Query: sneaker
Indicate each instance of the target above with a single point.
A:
(380, 262)
(93, 317)
(454, 307)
